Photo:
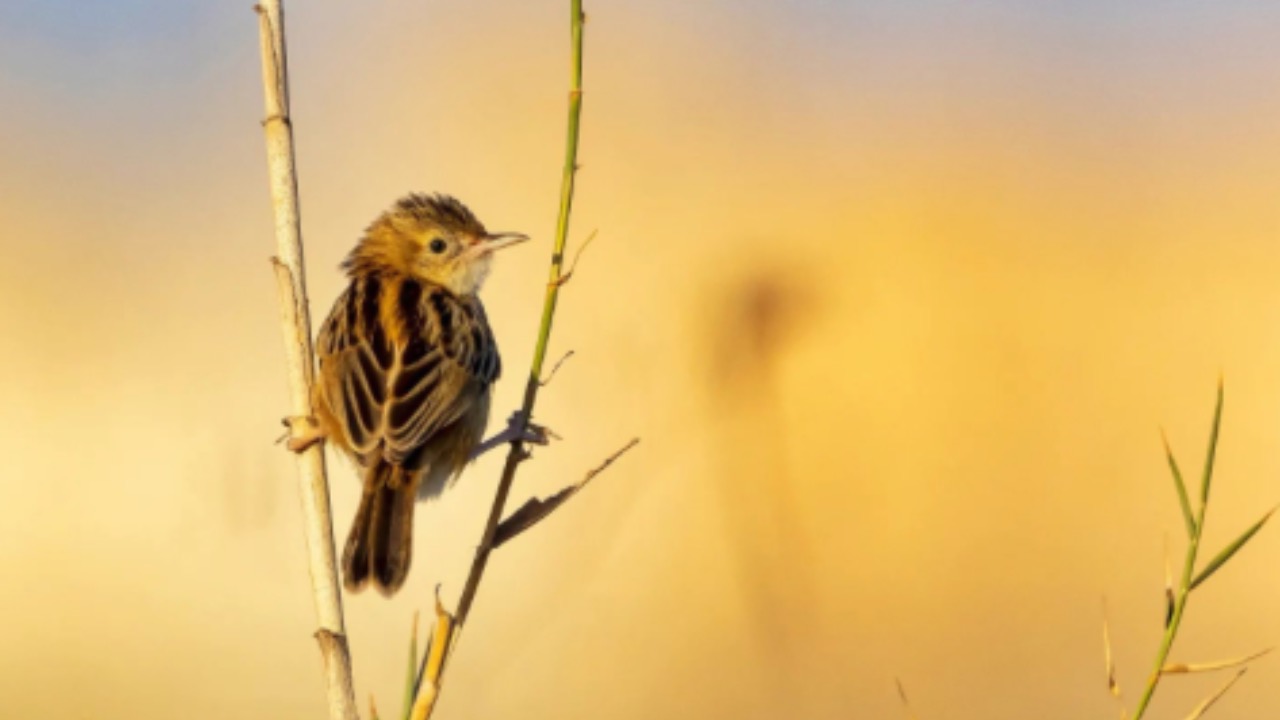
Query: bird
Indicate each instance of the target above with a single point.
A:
(407, 361)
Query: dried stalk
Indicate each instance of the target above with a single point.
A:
(1113, 683)
(295, 324)
(535, 510)
(1181, 668)
(430, 678)
(1208, 702)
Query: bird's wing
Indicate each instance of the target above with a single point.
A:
(399, 386)
(355, 360)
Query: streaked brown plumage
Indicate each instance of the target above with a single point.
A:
(406, 364)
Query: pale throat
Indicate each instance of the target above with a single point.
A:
(466, 278)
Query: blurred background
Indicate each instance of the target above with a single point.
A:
(898, 296)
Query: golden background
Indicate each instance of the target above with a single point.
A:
(897, 295)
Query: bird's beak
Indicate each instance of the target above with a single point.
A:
(497, 241)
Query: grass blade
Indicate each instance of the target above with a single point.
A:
(1213, 449)
(1222, 557)
(1113, 685)
(535, 510)
(411, 681)
(1187, 516)
(1179, 668)
(1202, 707)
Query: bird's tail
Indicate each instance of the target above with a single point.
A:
(380, 544)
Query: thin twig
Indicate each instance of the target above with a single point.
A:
(1209, 701)
(564, 279)
(1169, 598)
(535, 510)
(1113, 683)
(1177, 668)
(295, 324)
(411, 679)
(555, 369)
(608, 461)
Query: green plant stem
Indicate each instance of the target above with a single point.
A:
(1189, 564)
(517, 452)
(1175, 620)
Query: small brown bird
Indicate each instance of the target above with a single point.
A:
(406, 364)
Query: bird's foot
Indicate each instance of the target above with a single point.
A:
(303, 432)
(533, 434)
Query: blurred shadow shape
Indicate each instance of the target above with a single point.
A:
(752, 322)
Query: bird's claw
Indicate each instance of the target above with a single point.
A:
(303, 432)
(534, 434)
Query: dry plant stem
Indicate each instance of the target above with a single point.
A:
(429, 685)
(1203, 707)
(1113, 683)
(556, 368)
(1181, 668)
(535, 510)
(295, 324)
(433, 663)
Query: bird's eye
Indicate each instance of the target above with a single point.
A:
(437, 246)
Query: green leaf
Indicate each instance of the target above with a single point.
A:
(1230, 550)
(1185, 501)
(410, 683)
(1213, 448)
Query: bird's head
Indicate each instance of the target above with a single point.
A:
(433, 238)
